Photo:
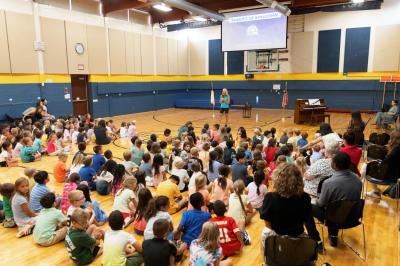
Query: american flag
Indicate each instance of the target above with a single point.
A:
(285, 98)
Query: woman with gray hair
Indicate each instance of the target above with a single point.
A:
(318, 170)
(287, 209)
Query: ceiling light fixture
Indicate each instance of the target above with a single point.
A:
(200, 19)
(162, 7)
(358, 1)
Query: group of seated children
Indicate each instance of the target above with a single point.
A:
(220, 181)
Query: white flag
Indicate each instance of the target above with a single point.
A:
(212, 100)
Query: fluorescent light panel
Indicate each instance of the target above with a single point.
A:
(162, 7)
(358, 1)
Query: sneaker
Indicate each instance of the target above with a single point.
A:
(333, 241)
(246, 237)
(320, 247)
(374, 194)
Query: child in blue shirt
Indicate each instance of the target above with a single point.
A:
(303, 140)
(39, 190)
(192, 221)
(37, 143)
(98, 159)
(88, 174)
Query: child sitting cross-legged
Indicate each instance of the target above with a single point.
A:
(170, 189)
(7, 190)
(51, 224)
(24, 217)
(100, 216)
(70, 185)
(27, 153)
(6, 155)
(241, 209)
(157, 209)
(230, 238)
(39, 190)
(139, 223)
(82, 241)
(125, 199)
(158, 250)
(192, 220)
(120, 248)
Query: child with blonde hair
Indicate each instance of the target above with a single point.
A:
(205, 250)
(240, 208)
(24, 217)
(29, 172)
(200, 186)
(125, 199)
(301, 164)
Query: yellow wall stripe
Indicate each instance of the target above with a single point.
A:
(35, 78)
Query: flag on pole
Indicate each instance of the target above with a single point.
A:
(212, 99)
(285, 98)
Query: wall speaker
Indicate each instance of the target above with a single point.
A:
(249, 76)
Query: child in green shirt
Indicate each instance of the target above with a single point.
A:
(27, 152)
(82, 244)
(7, 190)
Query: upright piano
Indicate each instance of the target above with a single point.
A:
(309, 111)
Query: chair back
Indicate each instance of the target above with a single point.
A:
(344, 213)
(290, 251)
(379, 139)
(377, 170)
(376, 152)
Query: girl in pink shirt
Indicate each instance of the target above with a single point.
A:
(69, 186)
(222, 186)
(200, 186)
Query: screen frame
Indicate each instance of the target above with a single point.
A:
(265, 49)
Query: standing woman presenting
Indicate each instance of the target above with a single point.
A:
(224, 100)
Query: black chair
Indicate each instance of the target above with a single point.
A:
(290, 251)
(378, 139)
(377, 174)
(376, 152)
(346, 214)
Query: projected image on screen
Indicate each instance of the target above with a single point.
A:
(258, 29)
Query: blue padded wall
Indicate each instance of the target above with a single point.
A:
(16, 98)
(357, 50)
(328, 51)
(235, 62)
(109, 99)
(215, 57)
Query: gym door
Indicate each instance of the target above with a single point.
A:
(80, 101)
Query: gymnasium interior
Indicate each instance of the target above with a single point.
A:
(289, 65)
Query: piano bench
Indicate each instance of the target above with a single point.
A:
(323, 116)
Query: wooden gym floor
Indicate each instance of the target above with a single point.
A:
(382, 236)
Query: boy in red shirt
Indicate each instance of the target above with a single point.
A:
(229, 234)
(60, 169)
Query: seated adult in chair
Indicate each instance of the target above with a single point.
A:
(392, 160)
(288, 208)
(388, 116)
(343, 185)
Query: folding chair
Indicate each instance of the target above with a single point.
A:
(376, 174)
(376, 152)
(346, 214)
(290, 251)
